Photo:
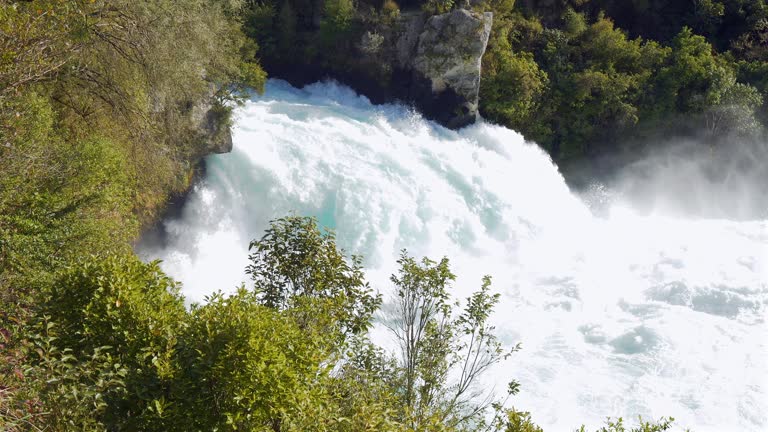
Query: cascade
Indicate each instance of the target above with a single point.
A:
(624, 313)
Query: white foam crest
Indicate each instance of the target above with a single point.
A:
(622, 315)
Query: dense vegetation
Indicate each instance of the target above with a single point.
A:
(588, 75)
(98, 106)
(101, 104)
(112, 347)
(576, 76)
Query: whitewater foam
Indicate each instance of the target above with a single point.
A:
(621, 315)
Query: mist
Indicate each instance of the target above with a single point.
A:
(687, 178)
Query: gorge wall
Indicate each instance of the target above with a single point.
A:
(432, 62)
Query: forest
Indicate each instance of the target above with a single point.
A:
(578, 77)
(100, 125)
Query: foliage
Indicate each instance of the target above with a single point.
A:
(295, 261)
(696, 81)
(442, 356)
(99, 122)
(390, 10)
(337, 20)
(132, 307)
(57, 197)
(644, 426)
(292, 354)
(258, 24)
(60, 389)
(511, 87)
(753, 45)
(366, 389)
(435, 7)
(602, 85)
(249, 367)
(130, 69)
(518, 421)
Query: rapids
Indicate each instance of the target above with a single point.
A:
(620, 313)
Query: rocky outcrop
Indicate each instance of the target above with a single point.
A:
(432, 62)
(406, 37)
(447, 59)
(200, 123)
(211, 125)
(438, 63)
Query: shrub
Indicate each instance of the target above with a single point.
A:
(390, 11)
(137, 311)
(435, 7)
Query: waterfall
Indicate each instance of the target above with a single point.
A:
(624, 313)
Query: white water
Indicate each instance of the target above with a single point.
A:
(621, 315)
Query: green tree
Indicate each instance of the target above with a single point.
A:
(644, 426)
(707, 16)
(435, 7)
(574, 23)
(736, 112)
(336, 22)
(259, 25)
(434, 345)
(59, 389)
(697, 81)
(57, 198)
(518, 421)
(753, 45)
(689, 81)
(511, 88)
(295, 261)
(366, 389)
(292, 355)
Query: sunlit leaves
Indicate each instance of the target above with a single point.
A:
(443, 355)
(295, 260)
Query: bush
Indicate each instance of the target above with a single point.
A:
(295, 261)
(337, 21)
(246, 366)
(518, 421)
(435, 7)
(390, 11)
(60, 390)
(135, 310)
(511, 88)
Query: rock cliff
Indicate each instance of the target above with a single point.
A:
(448, 56)
(211, 127)
(432, 62)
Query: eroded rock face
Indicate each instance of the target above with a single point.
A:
(215, 132)
(211, 127)
(447, 65)
(430, 62)
(408, 31)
